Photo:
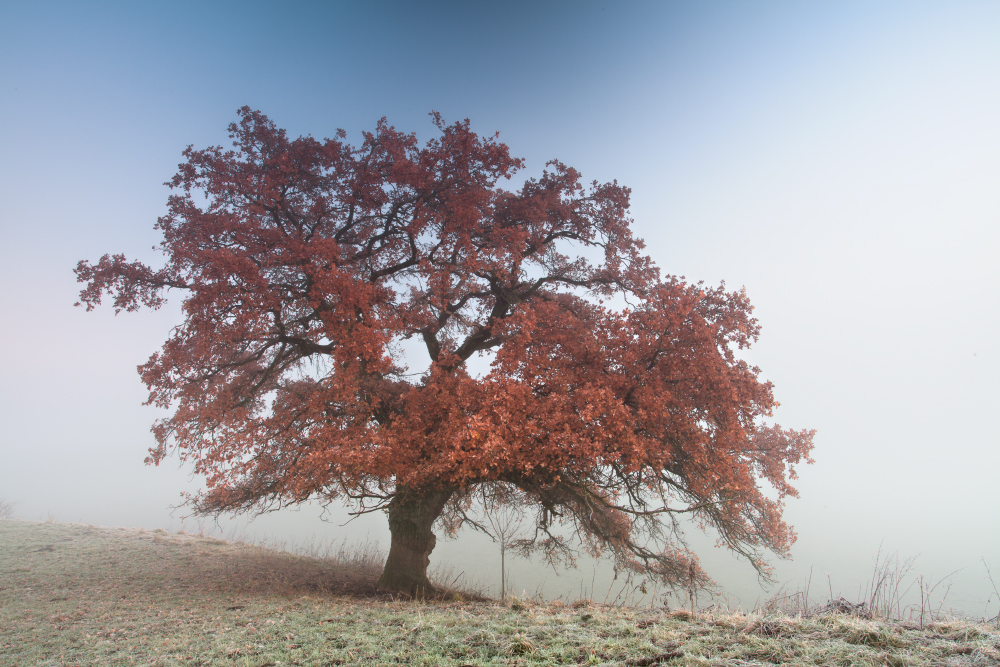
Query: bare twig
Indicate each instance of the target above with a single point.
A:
(995, 591)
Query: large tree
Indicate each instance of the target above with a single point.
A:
(614, 404)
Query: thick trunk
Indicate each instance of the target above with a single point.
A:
(411, 515)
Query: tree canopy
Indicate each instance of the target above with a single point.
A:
(615, 401)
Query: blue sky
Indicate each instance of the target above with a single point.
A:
(838, 159)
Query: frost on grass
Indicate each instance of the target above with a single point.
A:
(72, 594)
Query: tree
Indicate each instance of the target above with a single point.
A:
(615, 402)
(503, 518)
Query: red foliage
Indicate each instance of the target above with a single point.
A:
(615, 396)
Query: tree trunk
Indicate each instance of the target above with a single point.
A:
(411, 515)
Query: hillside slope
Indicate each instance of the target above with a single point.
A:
(82, 595)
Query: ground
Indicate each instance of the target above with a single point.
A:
(84, 595)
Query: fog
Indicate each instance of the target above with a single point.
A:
(840, 161)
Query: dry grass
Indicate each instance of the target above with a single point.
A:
(882, 597)
(80, 595)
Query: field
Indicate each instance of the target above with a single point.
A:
(84, 595)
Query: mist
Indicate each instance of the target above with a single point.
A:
(838, 160)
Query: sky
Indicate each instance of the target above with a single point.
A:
(839, 160)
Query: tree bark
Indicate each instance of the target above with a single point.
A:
(412, 512)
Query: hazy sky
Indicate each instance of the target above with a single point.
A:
(840, 160)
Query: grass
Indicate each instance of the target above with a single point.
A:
(82, 595)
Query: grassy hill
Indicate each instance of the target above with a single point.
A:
(84, 595)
